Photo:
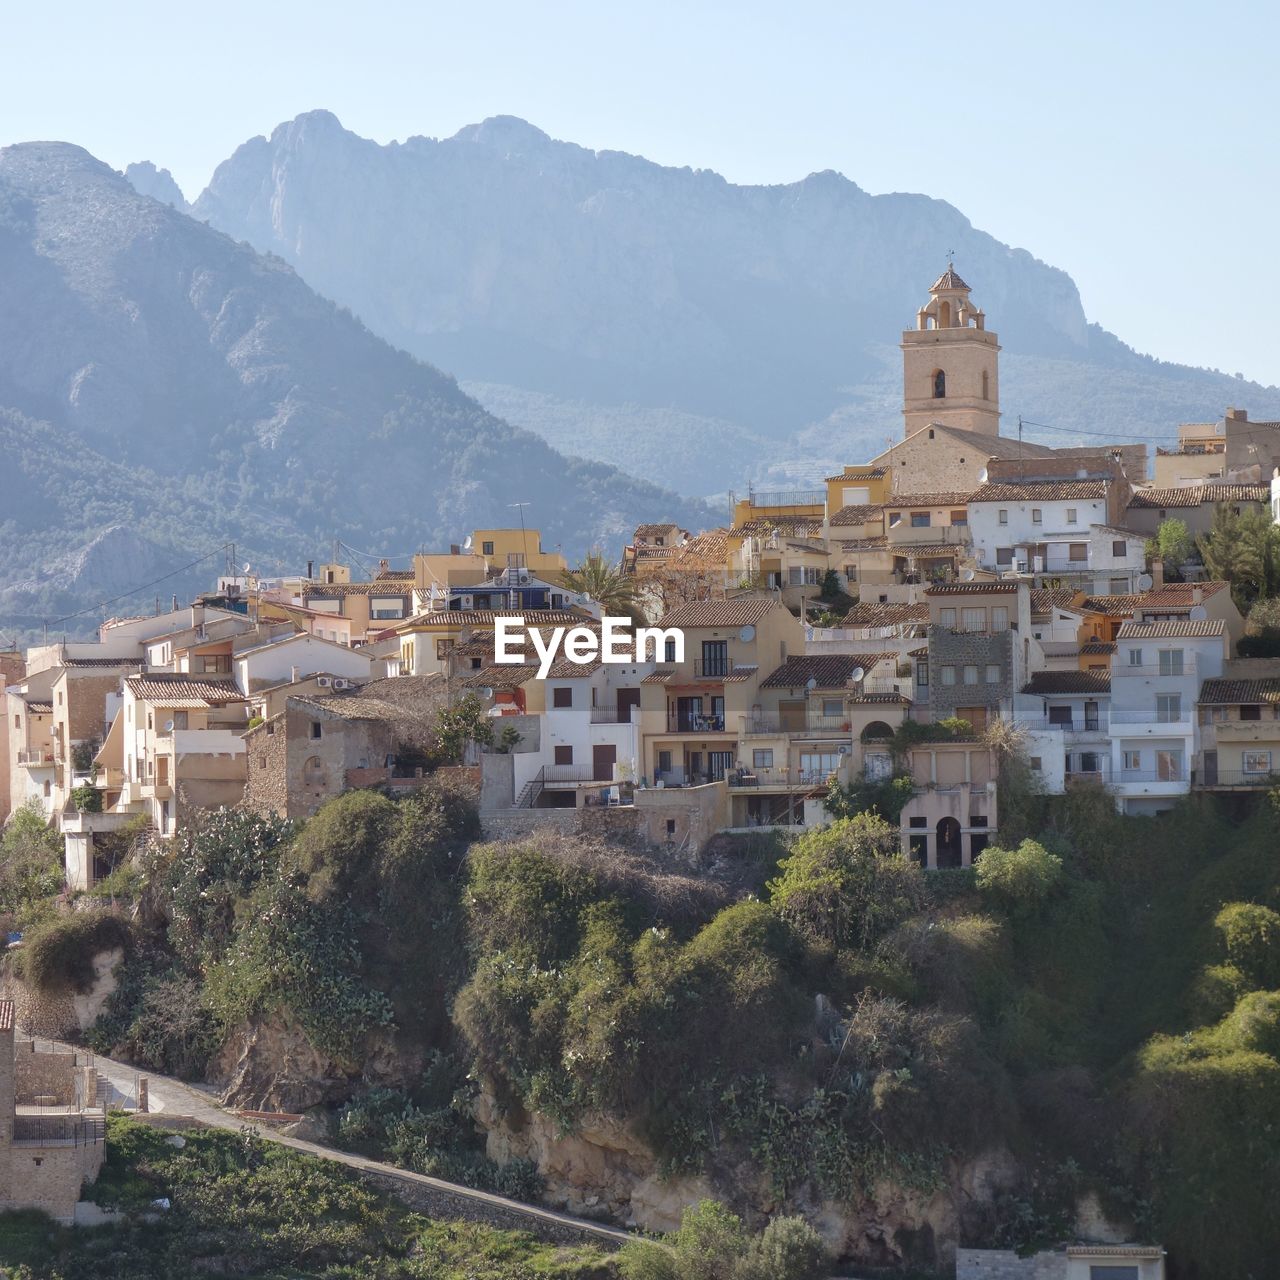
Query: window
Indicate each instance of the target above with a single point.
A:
(1004, 516)
(715, 657)
(813, 577)
(795, 576)
(1130, 761)
(1135, 657)
(1037, 516)
(443, 649)
(1168, 708)
(1000, 617)
(895, 517)
(1113, 1273)
(762, 758)
(948, 675)
(486, 548)
(920, 519)
(1078, 552)
(1257, 761)
(971, 675)
(315, 728)
(564, 755)
(1250, 712)
(819, 764)
(671, 827)
(1004, 555)
(1071, 516)
(1119, 586)
(562, 696)
(947, 618)
(271, 728)
(1169, 765)
(1088, 762)
(960, 517)
(993, 673)
(669, 651)
(851, 573)
(833, 707)
(939, 385)
(262, 762)
(1119, 548)
(1171, 662)
(973, 620)
(179, 719)
(922, 672)
(664, 761)
(1037, 764)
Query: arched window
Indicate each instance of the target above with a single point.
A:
(876, 731)
(944, 315)
(939, 385)
(949, 852)
(986, 385)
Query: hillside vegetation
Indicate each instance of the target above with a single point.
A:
(798, 1023)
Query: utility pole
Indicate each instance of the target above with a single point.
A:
(524, 536)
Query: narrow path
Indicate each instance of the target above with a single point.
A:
(174, 1097)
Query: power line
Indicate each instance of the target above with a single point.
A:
(102, 604)
(1241, 425)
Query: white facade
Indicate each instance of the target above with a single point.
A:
(296, 657)
(1156, 673)
(1068, 734)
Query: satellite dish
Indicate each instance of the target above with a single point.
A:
(486, 692)
(1197, 613)
(967, 575)
(246, 566)
(1144, 582)
(466, 546)
(168, 726)
(811, 683)
(747, 634)
(856, 675)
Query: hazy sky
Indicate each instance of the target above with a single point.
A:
(1133, 144)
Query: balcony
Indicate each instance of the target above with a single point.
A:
(1233, 779)
(1173, 777)
(36, 759)
(1128, 724)
(695, 724)
(611, 715)
(1170, 670)
(1072, 729)
(711, 668)
(774, 726)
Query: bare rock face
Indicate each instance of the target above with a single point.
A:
(61, 1015)
(268, 1064)
(604, 1169)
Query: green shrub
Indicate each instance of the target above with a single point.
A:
(848, 884)
(1252, 937)
(58, 956)
(1215, 992)
(87, 798)
(1019, 879)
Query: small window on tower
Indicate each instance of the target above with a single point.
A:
(939, 385)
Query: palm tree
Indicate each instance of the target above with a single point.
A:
(606, 584)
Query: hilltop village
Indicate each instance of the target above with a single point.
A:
(885, 625)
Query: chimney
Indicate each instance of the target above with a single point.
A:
(1157, 572)
(1197, 595)
(294, 674)
(1237, 415)
(311, 564)
(454, 549)
(384, 566)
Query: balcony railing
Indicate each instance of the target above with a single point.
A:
(1236, 778)
(1186, 668)
(695, 724)
(1097, 724)
(711, 668)
(1127, 776)
(1151, 718)
(611, 715)
(553, 773)
(34, 758)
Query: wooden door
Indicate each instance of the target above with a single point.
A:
(602, 762)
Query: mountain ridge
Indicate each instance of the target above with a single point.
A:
(155, 373)
(571, 284)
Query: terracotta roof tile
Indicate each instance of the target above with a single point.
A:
(1097, 648)
(947, 280)
(1111, 604)
(778, 524)
(870, 613)
(486, 617)
(1044, 600)
(1048, 682)
(165, 688)
(858, 473)
(953, 498)
(1173, 630)
(972, 589)
(876, 543)
(1193, 495)
(855, 515)
(100, 662)
(828, 670)
(741, 611)
(1041, 491)
(1224, 690)
(500, 677)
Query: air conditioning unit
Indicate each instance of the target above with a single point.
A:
(323, 681)
(468, 602)
(339, 683)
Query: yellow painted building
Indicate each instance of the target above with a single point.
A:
(518, 549)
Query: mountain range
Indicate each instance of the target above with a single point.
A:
(165, 390)
(667, 320)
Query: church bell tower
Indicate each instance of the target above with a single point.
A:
(950, 363)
